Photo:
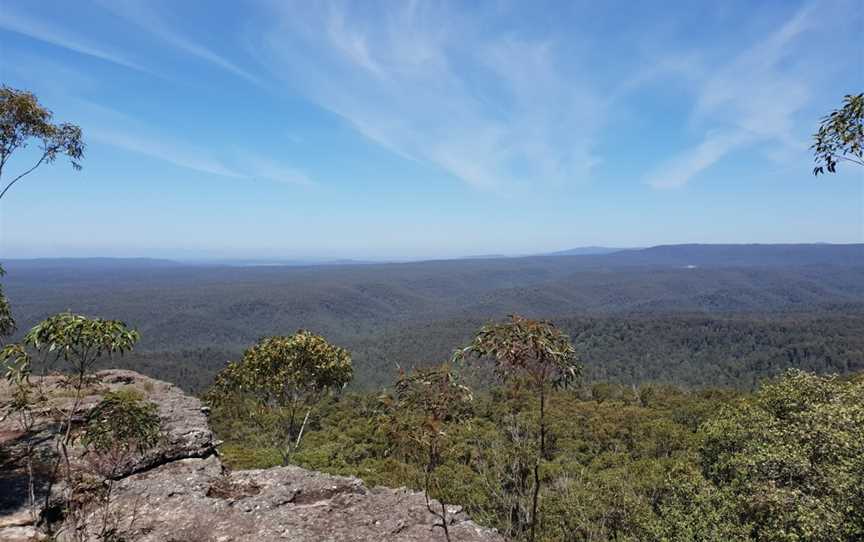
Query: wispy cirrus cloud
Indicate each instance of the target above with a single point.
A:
(459, 90)
(679, 170)
(108, 126)
(750, 100)
(19, 23)
(244, 165)
(145, 16)
(429, 84)
(176, 153)
(258, 166)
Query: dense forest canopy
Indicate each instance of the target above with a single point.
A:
(742, 313)
(630, 463)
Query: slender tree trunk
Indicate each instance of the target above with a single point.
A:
(287, 449)
(302, 428)
(15, 180)
(106, 509)
(291, 447)
(65, 439)
(427, 486)
(536, 496)
(27, 422)
(31, 486)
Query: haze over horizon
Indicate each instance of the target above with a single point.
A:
(275, 130)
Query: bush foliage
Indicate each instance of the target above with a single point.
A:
(650, 462)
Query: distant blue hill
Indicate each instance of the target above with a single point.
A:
(586, 251)
(687, 255)
(26, 264)
(729, 255)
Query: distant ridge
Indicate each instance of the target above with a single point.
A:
(236, 262)
(86, 263)
(586, 251)
(684, 255)
(729, 255)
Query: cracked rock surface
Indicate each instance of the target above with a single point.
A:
(181, 492)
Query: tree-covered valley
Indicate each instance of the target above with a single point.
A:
(740, 314)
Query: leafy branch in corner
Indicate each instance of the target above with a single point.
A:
(840, 137)
(22, 120)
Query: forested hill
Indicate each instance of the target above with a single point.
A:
(87, 264)
(715, 255)
(742, 255)
(197, 316)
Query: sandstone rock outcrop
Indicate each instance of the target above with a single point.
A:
(181, 491)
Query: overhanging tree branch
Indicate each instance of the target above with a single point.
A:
(23, 120)
(8, 186)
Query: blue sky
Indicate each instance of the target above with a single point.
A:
(274, 129)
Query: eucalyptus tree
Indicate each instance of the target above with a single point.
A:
(426, 400)
(532, 354)
(280, 378)
(791, 458)
(76, 342)
(840, 137)
(23, 120)
(7, 323)
(22, 402)
(121, 427)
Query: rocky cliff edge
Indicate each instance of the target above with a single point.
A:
(181, 492)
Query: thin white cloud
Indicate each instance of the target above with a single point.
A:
(171, 152)
(246, 165)
(117, 129)
(142, 15)
(36, 71)
(21, 24)
(263, 167)
(407, 77)
(752, 99)
(756, 91)
(108, 126)
(351, 43)
(681, 169)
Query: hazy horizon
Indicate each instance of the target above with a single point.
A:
(276, 259)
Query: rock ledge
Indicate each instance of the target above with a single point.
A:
(182, 493)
